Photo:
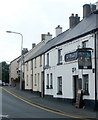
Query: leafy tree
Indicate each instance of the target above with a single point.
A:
(5, 72)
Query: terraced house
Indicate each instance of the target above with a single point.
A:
(34, 73)
(65, 64)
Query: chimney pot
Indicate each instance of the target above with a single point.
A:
(33, 45)
(76, 15)
(74, 20)
(58, 30)
(48, 33)
(72, 14)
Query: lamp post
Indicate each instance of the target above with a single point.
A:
(21, 77)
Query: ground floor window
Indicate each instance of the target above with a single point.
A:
(27, 80)
(35, 80)
(47, 86)
(86, 84)
(51, 80)
(59, 81)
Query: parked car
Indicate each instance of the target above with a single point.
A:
(6, 84)
(0, 82)
(3, 83)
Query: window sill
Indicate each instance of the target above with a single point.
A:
(59, 93)
(86, 93)
(59, 63)
(51, 87)
(47, 87)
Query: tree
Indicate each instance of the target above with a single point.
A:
(5, 72)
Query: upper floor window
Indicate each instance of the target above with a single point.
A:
(31, 64)
(40, 60)
(59, 56)
(44, 60)
(48, 59)
(84, 44)
(27, 66)
(35, 62)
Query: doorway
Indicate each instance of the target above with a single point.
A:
(42, 84)
(75, 87)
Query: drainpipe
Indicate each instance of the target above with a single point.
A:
(95, 73)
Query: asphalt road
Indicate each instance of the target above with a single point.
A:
(13, 107)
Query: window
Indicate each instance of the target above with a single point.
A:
(35, 62)
(47, 86)
(27, 80)
(86, 84)
(40, 60)
(59, 86)
(84, 44)
(27, 66)
(31, 64)
(44, 60)
(31, 79)
(47, 59)
(51, 80)
(59, 57)
(35, 80)
(38, 79)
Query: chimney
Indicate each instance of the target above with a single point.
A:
(42, 37)
(93, 7)
(88, 9)
(46, 37)
(24, 51)
(33, 45)
(74, 20)
(58, 30)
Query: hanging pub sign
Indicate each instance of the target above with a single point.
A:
(71, 56)
(84, 60)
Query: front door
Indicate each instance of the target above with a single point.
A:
(42, 85)
(75, 87)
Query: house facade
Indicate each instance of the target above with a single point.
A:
(63, 66)
(28, 66)
(69, 62)
(66, 75)
(13, 75)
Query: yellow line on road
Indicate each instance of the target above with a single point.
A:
(46, 109)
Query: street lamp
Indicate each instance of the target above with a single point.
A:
(21, 77)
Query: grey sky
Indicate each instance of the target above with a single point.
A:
(33, 18)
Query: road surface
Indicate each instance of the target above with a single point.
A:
(13, 107)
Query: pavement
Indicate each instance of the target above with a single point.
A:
(53, 104)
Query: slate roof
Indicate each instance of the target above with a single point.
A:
(87, 25)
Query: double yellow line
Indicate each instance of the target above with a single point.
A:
(46, 109)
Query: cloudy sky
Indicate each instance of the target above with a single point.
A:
(32, 18)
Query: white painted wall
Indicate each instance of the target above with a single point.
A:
(65, 70)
